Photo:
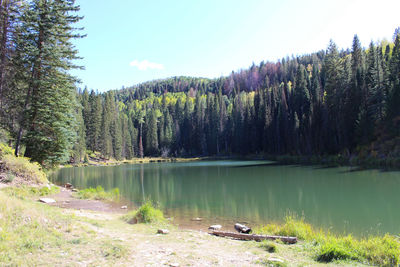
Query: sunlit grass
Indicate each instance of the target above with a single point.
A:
(327, 247)
(147, 213)
(99, 193)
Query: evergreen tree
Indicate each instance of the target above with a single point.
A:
(50, 100)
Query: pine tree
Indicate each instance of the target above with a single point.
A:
(151, 134)
(50, 102)
(393, 106)
(333, 91)
(106, 142)
(79, 148)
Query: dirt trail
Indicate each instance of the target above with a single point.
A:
(146, 248)
(64, 199)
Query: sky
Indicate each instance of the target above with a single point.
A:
(133, 41)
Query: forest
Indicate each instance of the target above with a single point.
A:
(330, 102)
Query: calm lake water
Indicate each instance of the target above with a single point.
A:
(255, 192)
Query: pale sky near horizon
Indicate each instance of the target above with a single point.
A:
(132, 41)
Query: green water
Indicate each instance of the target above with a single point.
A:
(255, 192)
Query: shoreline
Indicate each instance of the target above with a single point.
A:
(385, 163)
(141, 239)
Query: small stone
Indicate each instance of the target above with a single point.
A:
(162, 231)
(124, 207)
(197, 219)
(276, 260)
(74, 190)
(215, 227)
(47, 200)
(174, 264)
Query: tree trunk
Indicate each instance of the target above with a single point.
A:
(286, 239)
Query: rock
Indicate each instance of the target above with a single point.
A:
(162, 231)
(215, 227)
(242, 228)
(46, 200)
(275, 260)
(68, 186)
(74, 190)
(174, 264)
(197, 219)
(124, 207)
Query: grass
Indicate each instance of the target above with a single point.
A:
(36, 234)
(147, 213)
(269, 246)
(327, 247)
(21, 166)
(25, 192)
(27, 228)
(98, 193)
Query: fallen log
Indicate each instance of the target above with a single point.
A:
(241, 228)
(285, 239)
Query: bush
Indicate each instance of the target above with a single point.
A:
(98, 193)
(21, 166)
(147, 213)
(5, 150)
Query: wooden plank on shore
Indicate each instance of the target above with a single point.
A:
(285, 239)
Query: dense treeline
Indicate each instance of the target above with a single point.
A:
(328, 102)
(37, 94)
(325, 103)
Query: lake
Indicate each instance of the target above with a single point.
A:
(254, 192)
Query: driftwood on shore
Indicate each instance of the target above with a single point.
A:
(285, 239)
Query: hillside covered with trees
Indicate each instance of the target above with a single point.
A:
(326, 103)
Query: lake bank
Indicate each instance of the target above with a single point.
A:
(229, 191)
(68, 237)
(355, 161)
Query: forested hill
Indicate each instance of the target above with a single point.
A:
(327, 102)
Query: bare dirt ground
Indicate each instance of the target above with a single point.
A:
(65, 199)
(146, 248)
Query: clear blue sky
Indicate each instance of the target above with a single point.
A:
(132, 41)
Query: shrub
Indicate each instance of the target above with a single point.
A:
(5, 150)
(147, 213)
(98, 193)
(21, 166)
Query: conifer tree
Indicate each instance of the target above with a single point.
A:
(50, 100)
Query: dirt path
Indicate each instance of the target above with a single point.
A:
(146, 248)
(64, 199)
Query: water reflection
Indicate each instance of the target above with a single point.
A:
(256, 191)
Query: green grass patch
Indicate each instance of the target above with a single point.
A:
(22, 167)
(147, 213)
(327, 247)
(99, 193)
(24, 192)
(269, 246)
(28, 228)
